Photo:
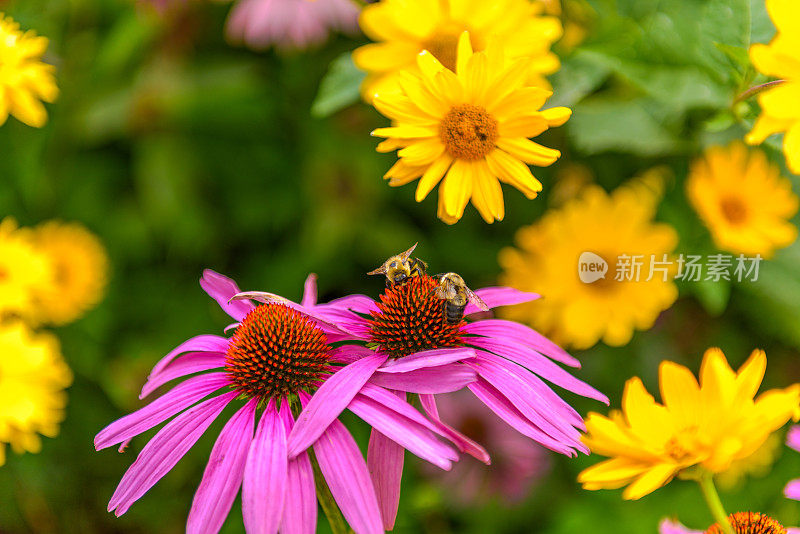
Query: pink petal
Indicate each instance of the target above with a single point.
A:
(464, 443)
(441, 379)
(668, 526)
(528, 401)
(175, 400)
(346, 474)
(554, 404)
(329, 401)
(223, 474)
(793, 438)
(265, 474)
(385, 463)
(792, 489)
(310, 291)
(394, 403)
(428, 358)
(506, 411)
(415, 437)
(189, 363)
(221, 288)
(500, 328)
(166, 448)
(203, 343)
(540, 365)
(500, 296)
(350, 353)
(356, 303)
(300, 509)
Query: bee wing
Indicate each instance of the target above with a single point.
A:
(260, 296)
(379, 270)
(475, 299)
(407, 254)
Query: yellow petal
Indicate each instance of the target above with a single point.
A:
(791, 148)
(432, 176)
(457, 188)
(528, 151)
(556, 116)
(422, 152)
(512, 171)
(679, 392)
(650, 481)
(405, 132)
(463, 54)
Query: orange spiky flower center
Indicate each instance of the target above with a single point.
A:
(411, 318)
(276, 351)
(750, 523)
(468, 132)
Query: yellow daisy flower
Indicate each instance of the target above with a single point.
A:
(580, 313)
(743, 200)
(404, 28)
(780, 104)
(80, 271)
(24, 79)
(24, 270)
(704, 427)
(469, 128)
(33, 376)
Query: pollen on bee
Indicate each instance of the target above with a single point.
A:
(411, 318)
(276, 351)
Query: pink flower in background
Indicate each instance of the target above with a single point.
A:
(289, 23)
(276, 361)
(669, 526)
(517, 464)
(792, 489)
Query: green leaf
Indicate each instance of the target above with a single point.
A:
(579, 75)
(600, 125)
(339, 87)
(713, 296)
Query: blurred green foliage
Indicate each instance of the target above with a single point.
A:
(182, 152)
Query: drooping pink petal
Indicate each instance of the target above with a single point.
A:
(223, 474)
(385, 463)
(356, 303)
(310, 291)
(428, 358)
(329, 401)
(500, 296)
(187, 364)
(506, 411)
(221, 288)
(346, 474)
(265, 474)
(554, 404)
(394, 403)
(349, 353)
(300, 508)
(441, 379)
(528, 401)
(175, 400)
(415, 437)
(540, 365)
(166, 448)
(464, 443)
(500, 328)
(202, 343)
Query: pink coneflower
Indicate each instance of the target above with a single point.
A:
(289, 23)
(517, 464)
(424, 354)
(742, 522)
(792, 489)
(278, 356)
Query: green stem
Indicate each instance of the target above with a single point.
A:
(706, 482)
(325, 497)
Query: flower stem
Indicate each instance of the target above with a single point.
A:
(706, 482)
(757, 89)
(325, 497)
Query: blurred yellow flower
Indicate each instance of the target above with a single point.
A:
(24, 270)
(80, 268)
(743, 200)
(33, 376)
(706, 427)
(24, 79)
(469, 128)
(780, 105)
(403, 28)
(757, 464)
(575, 15)
(577, 313)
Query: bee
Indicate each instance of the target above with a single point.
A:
(401, 267)
(456, 295)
